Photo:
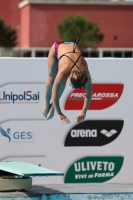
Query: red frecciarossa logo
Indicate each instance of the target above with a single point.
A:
(104, 96)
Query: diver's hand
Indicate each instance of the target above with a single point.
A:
(63, 118)
(81, 116)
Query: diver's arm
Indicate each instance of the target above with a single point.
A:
(87, 100)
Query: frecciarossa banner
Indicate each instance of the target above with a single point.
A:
(104, 96)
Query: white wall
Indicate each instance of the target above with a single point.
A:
(37, 141)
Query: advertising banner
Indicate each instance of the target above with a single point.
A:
(95, 151)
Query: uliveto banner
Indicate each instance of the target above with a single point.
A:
(94, 169)
(97, 150)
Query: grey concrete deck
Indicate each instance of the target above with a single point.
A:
(39, 190)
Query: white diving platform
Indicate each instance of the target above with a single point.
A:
(18, 175)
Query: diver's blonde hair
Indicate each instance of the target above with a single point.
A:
(78, 78)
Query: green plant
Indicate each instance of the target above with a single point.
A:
(72, 26)
(7, 35)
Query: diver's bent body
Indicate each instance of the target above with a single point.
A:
(65, 61)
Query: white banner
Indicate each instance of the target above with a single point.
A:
(98, 150)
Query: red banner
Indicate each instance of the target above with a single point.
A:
(104, 96)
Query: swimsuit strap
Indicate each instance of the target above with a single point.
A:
(76, 41)
(74, 63)
(74, 48)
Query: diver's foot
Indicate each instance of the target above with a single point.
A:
(51, 112)
(45, 111)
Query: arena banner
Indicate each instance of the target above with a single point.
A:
(95, 151)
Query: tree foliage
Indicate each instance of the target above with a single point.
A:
(72, 26)
(7, 35)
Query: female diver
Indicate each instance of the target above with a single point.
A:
(65, 61)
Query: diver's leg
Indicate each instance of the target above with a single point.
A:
(51, 110)
(52, 72)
